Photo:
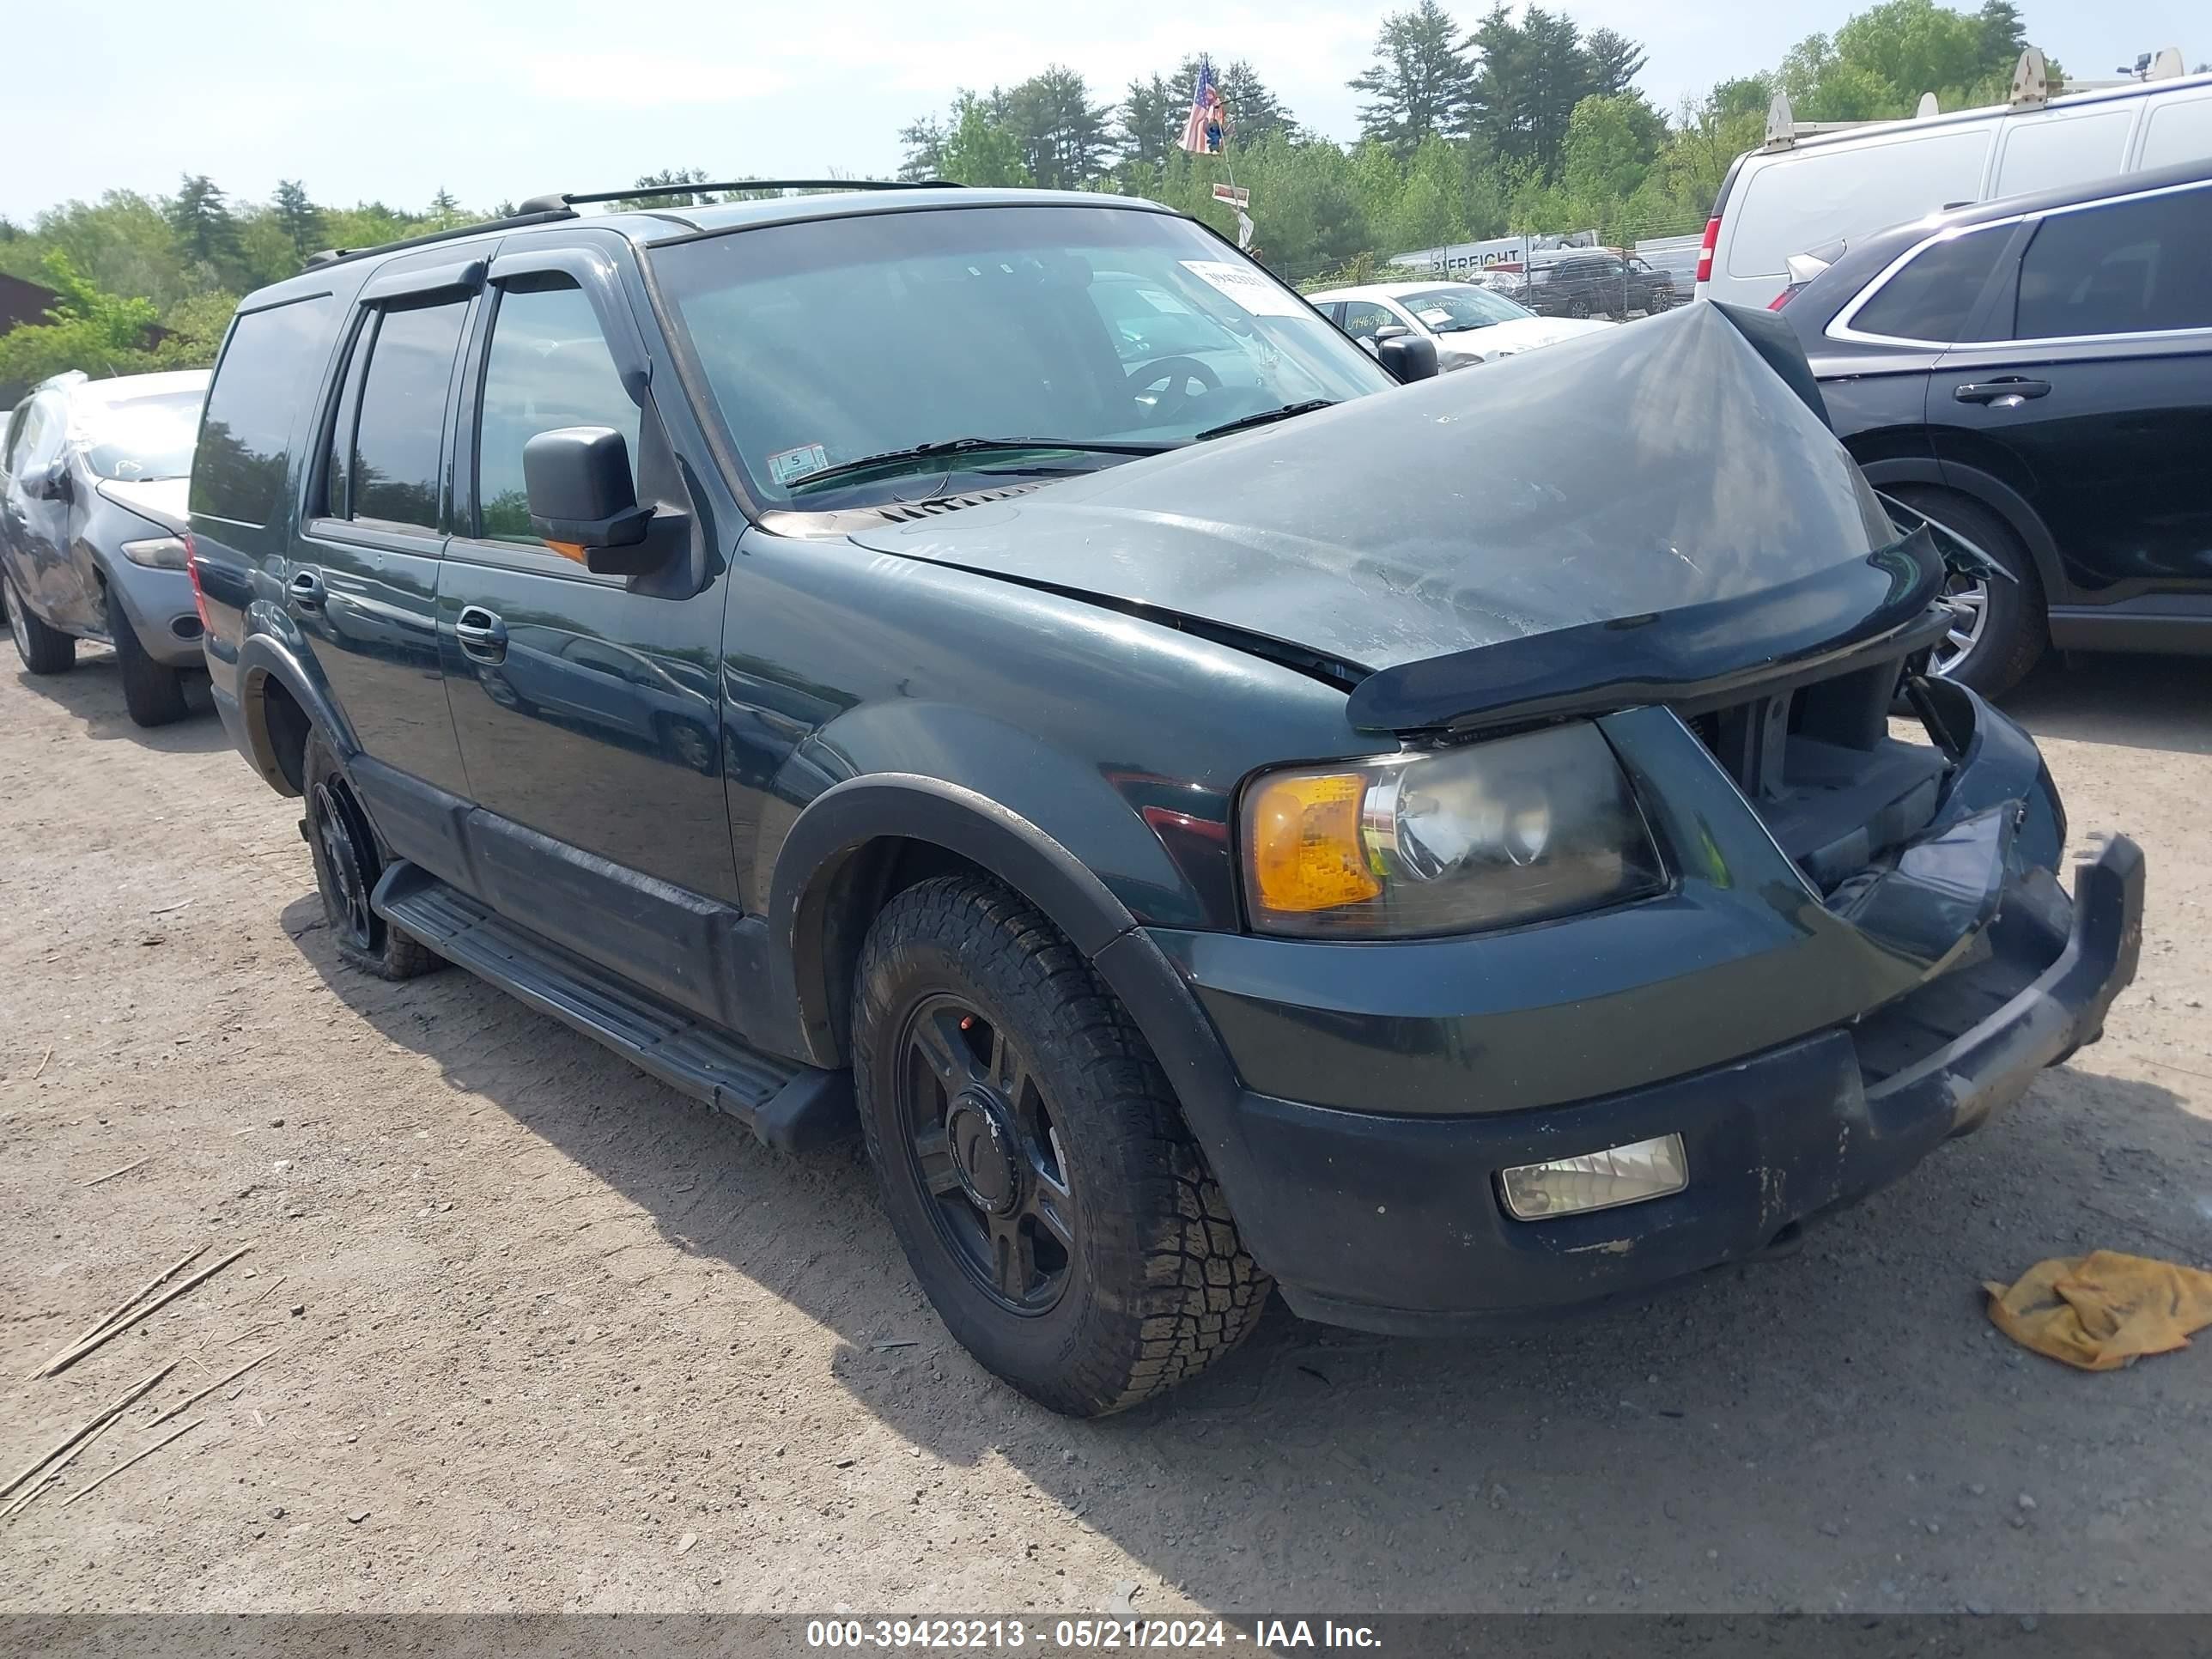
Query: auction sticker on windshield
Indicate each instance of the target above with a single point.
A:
(788, 465)
(1247, 288)
(1436, 318)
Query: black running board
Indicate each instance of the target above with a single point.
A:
(786, 1104)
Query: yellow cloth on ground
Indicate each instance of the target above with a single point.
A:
(2101, 1310)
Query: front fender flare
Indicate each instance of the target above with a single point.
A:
(847, 816)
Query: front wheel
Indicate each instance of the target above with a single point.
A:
(153, 694)
(1033, 1160)
(44, 650)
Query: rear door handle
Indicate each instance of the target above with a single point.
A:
(2008, 393)
(482, 635)
(307, 590)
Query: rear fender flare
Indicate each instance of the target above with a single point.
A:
(264, 657)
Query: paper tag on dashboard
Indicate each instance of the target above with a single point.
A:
(1256, 294)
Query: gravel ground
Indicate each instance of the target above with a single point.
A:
(548, 1338)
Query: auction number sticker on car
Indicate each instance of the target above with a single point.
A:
(787, 465)
(1255, 293)
(1436, 318)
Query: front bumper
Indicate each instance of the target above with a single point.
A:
(1394, 1223)
(157, 606)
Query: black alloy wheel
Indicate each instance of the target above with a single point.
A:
(342, 837)
(979, 1133)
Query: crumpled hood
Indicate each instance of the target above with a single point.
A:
(1658, 468)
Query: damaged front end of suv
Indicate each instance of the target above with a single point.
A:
(1626, 932)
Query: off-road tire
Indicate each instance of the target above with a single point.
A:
(373, 945)
(44, 650)
(1159, 1284)
(153, 694)
(2017, 631)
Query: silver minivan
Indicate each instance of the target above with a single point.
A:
(1798, 193)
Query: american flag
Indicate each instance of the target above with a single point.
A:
(1201, 133)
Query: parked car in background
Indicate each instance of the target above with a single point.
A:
(1197, 833)
(2036, 374)
(93, 480)
(1470, 322)
(1596, 285)
(1800, 193)
(1650, 288)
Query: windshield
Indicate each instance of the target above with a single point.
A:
(1455, 310)
(827, 342)
(143, 437)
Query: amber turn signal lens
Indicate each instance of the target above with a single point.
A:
(1305, 837)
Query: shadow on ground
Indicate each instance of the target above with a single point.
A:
(2143, 702)
(1734, 1443)
(93, 692)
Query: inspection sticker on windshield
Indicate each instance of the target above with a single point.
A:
(787, 465)
(1247, 287)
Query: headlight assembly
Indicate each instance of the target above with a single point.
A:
(157, 552)
(1485, 835)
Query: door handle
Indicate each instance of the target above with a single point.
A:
(2008, 393)
(306, 590)
(482, 635)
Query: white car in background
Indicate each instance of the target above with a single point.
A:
(1469, 324)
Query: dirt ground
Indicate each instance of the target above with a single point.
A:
(548, 1337)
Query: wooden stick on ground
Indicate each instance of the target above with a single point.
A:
(133, 1458)
(31, 1494)
(264, 1297)
(126, 1170)
(183, 1406)
(43, 1059)
(52, 1478)
(92, 1424)
(138, 1295)
(251, 1330)
(63, 1360)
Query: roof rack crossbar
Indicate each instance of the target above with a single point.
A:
(639, 192)
(531, 214)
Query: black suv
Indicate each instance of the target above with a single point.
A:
(1436, 849)
(1587, 285)
(2036, 374)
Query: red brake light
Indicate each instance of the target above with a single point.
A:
(1785, 296)
(192, 570)
(1705, 249)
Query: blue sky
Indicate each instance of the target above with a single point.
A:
(516, 97)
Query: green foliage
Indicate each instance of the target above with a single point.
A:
(1420, 85)
(1524, 123)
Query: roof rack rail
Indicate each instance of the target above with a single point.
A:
(533, 212)
(638, 193)
(2033, 86)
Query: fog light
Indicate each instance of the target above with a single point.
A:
(1597, 1181)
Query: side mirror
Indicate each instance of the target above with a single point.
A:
(1389, 332)
(582, 501)
(1407, 356)
(50, 483)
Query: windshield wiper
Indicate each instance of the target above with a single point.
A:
(1267, 416)
(944, 447)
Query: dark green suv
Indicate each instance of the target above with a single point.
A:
(1224, 822)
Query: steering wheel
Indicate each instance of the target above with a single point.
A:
(1180, 373)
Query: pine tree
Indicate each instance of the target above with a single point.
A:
(299, 219)
(1065, 138)
(1418, 83)
(923, 142)
(1616, 61)
(200, 215)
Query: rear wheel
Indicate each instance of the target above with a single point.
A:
(153, 694)
(1033, 1160)
(2000, 628)
(348, 859)
(44, 650)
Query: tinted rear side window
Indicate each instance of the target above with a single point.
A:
(2125, 268)
(1931, 297)
(272, 366)
(401, 430)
